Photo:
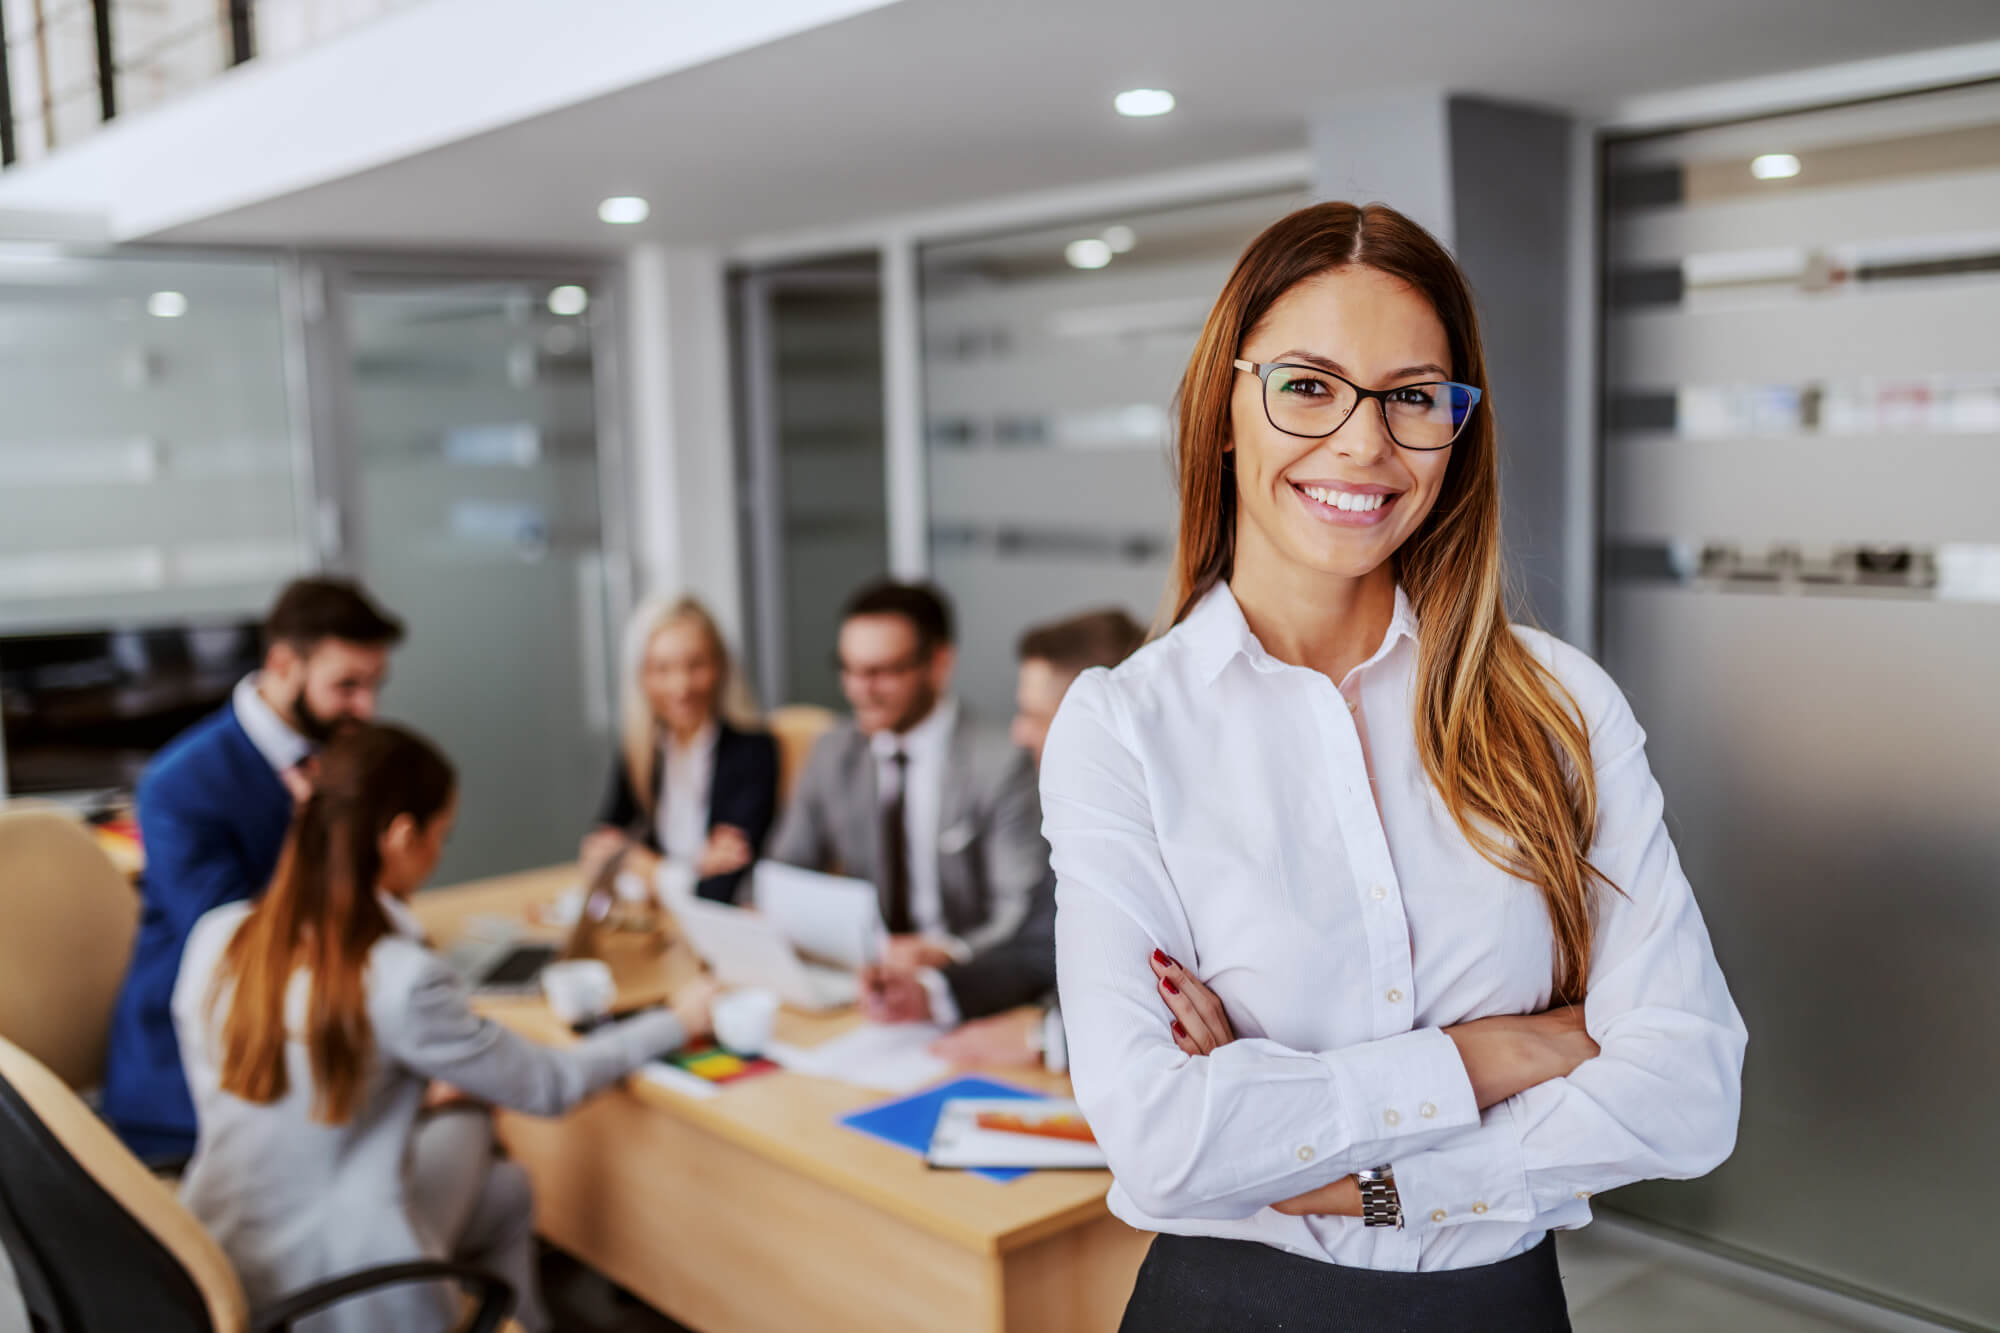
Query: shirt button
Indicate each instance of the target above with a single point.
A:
(1353, 705)
(1305, 1153)
(1395, 996)
(1478, 1207)
(1437, 1214)
(1392, 1117)
(1583, 1194)
(1378, 893)
(1427, 1111)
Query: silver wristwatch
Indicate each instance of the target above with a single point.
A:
(1381, 1206)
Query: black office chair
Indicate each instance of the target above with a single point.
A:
(99, 1245)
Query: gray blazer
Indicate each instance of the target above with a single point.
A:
(991, 856)
(293, 1201)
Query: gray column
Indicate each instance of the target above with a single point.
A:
(1493, 183)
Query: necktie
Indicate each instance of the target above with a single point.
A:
(896, 853)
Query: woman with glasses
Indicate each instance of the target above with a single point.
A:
(1376, 960)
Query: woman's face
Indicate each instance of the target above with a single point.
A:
(679, 676)
(1379, 332)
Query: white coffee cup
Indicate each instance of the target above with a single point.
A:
(579, 990)
(745, 1020)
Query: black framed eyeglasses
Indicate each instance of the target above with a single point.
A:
(1312, 404)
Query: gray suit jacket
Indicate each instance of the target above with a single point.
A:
(991, 856)
(293, 1201)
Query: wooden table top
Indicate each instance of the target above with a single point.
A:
(787, 1117)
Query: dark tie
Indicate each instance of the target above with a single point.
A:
(896, 853)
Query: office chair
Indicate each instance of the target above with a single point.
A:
(98, 1245)
(70, 920)
(796, 728)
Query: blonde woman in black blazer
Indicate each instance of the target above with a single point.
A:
(687, 785)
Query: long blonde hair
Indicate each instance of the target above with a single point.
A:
(639, 730)
(1501, 739)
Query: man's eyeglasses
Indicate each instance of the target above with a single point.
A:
(1312, 404)
(880, 670)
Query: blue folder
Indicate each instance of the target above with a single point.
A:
(909, 1122)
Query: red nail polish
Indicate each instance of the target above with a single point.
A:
(1172, 989)
(1162, 959)
(1179, 1031)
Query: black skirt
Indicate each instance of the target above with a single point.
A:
(1198, 1284)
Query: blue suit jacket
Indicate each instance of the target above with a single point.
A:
(212, 819)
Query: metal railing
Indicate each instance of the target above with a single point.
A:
(68, 67)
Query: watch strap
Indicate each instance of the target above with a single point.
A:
(1381, 1205)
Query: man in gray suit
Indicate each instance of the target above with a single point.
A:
(984, 992)
(938, 811)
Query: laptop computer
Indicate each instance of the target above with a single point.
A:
(746, 948)
(493, 959)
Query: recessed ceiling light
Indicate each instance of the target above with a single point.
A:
(1144, 102)
(166, 305)
(1120, 238)
(568, 300)
(1774, 166)
(624, 210)
(1090, 252)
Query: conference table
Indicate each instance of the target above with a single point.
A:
(756, 1209)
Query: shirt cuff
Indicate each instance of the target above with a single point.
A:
(944, 1009)
(960, 951)
(1413, 1084)
(1478, 1176)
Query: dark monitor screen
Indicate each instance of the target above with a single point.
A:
(84, 711)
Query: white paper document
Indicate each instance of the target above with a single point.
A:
(887, 1057)
(675, 1079)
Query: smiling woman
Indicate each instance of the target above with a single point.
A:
(1443, 976)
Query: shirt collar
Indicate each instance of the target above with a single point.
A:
(1218, 633)
(927, 736)
(401, 919)
(281, 747)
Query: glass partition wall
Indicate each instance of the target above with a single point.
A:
(183, 433)
(1801, 594)
(1050, 359)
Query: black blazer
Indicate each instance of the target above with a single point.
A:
(743, 792)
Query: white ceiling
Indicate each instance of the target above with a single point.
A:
(927, 104)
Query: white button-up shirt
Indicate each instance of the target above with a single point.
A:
(283, 749)
(687, 772)
(1277, 835)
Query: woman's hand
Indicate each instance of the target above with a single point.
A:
(1199, 1024)
(727, 852)
(694, 1007)
(599, 846)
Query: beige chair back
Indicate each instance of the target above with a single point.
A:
(797, 728)
(70, 917)
(149, 1200)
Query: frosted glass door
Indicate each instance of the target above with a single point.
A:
(469, 442)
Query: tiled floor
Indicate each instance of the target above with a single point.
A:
(1618, 1285)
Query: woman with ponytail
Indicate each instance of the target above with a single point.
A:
(1376, 960)
(313, 1022)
